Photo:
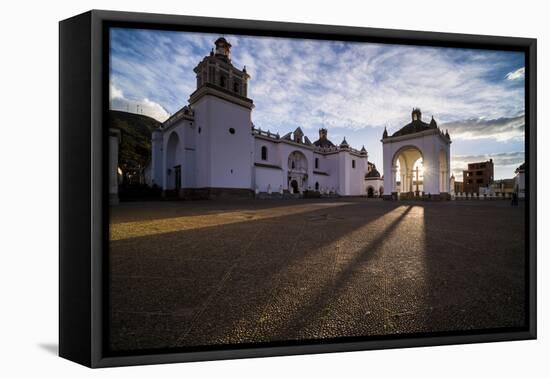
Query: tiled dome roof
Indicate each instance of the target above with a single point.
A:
(323, 143)
(373, 173)
(416, 125)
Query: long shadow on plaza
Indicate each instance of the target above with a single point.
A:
(211, 285)
(345, 301)
(474, 268)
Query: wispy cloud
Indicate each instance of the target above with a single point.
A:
(516, 75)
(499, 129)
(323, 83)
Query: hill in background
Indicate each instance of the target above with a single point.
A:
(135, 129)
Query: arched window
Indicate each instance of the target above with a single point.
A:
(222, 81)
(264, 153)
(316, 163)
(353, 164)
(236, 87)
(317, 186)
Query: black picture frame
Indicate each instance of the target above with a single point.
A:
(84, 201)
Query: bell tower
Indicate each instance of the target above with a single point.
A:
(217, 71)
(223, 122)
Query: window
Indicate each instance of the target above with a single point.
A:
(236, 87)
(470, 181)
(353, 164)
(479, 181)
(293, 165)
(231, 130)
(316, 163)
(264, 153)
(479, 173)
(317, 186)
(222, 81)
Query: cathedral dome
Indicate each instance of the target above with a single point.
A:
(323, 140)
(416, 125)
(373, 173)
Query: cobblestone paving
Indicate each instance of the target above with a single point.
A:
(210, 272)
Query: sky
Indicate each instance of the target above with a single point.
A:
(353, 89)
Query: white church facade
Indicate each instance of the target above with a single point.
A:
(211, 148)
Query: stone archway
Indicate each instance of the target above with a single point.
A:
(297, 172)
(407, 169)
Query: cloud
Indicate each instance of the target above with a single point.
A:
(499, 129)
(309, 83)
(114, 92)
(143, 106)
(516, 75)
(506, 161)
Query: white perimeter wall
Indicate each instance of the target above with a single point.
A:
(269, 176)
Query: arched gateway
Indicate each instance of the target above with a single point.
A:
(417, 160)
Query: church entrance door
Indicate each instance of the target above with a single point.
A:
(294, 186)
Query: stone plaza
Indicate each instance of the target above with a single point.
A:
(201, 273)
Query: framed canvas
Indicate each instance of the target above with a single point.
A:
(235, 188)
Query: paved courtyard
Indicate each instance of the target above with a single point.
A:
(211, 272)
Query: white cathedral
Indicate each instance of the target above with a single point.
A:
(211, 148)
